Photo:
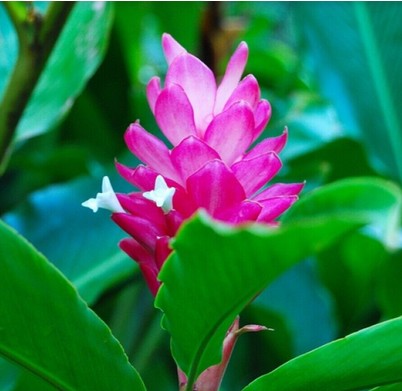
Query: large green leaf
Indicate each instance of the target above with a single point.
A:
(355, 47)
(75, 58)
(83, 245)
(49, 330)
(367, 358)
(241, 262)
(216, 270)
(376, 200)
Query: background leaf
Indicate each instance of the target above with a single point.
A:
(359, 70)
(47, 329)
(351, 271)
(83, 245)
(370, 357)
(75, 58)
(378, 200)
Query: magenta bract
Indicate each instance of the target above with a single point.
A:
(210, 166)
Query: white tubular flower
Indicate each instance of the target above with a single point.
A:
(105, 200)
(162, 195)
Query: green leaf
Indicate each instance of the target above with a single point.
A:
(46, 328)
(216, 270)
(375, 200)
(75, 58)
(391, 387)
(305, 117)
(367, 358)
(91, 264)
(350, 269)
(389, 287)
(359, 70)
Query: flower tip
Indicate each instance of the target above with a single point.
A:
(252, 328)
(153, 90)
(241, 53)
(166, 36)
(171, 48)
(91, 204)
(132, 131)
(243, 46)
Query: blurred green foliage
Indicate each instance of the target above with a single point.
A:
(331, 74)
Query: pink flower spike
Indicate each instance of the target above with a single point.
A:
(145, 261)
(162, 250)
(274, 144)
(183, 203)
(136, 205)
(248, 90)
(274, 207)
(174, 220)
(255, 173)
(230, 133)
(245, 212)
(137, 252)
(198, 83)
(262, 115)
(280, 189)
(174, 114)
(171, 48)
(190, 155)
(149, 150)
(153, 91)
(210, 165)
(234, 71)
(142, 229)
(141, 176)
(215, 188)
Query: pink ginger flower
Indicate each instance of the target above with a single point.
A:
(210, 166)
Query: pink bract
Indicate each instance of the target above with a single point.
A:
(210, 164)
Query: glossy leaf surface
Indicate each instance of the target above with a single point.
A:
(369, 357)
(359, 70)
(48, 329)
(216, 270)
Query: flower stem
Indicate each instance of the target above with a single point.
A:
(37, 35)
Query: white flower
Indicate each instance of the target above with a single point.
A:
(106, 200)
(162, 195)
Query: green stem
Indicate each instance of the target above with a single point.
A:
(37, 36)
